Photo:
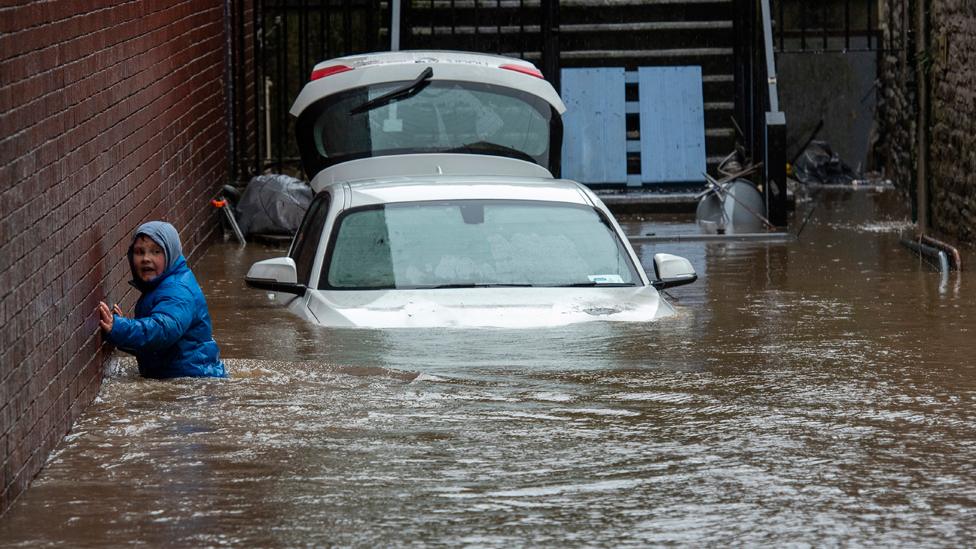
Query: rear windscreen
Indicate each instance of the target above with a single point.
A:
(436, 117)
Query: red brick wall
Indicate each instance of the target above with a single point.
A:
(111, 114)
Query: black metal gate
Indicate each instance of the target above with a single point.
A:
(273, 45)
(829, 26)
(280, 41)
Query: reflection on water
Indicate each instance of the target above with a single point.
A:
(815, 392)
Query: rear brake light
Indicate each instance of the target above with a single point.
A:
(328, 71)
(524, 70)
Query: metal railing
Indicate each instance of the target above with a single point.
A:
(527, 29)
(828, 26)
(274, 44)
(287, 37)
(290, 37)
(761, 124)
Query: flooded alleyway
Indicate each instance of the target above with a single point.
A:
(820, 392)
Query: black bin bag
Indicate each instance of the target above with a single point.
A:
(273, 205)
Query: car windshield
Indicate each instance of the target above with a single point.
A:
(471, 243)
(431, 116)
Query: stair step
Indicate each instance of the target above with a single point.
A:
(602, 33)
(646, 26)
(490, 13)
(646, 54)
(629, 36)
(632, 54)
(483, 4)
(574, 28)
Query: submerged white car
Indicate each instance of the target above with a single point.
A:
(465, 251)
(436, 204)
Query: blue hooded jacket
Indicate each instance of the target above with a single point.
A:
(171, 335)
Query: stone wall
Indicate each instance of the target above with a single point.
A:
(952, 154)
(949, 66)
(897, 111)
(111, 114)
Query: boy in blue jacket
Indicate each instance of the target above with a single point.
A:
(171, 335)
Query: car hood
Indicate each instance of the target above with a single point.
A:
(484, 307)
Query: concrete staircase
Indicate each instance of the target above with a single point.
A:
(600, 33)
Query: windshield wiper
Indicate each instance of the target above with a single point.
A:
(591, 284)
(407, 90)
(466, 285)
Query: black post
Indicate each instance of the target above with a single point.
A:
(230, 81)
(281, 93)
(773, 137)
(847, 25)
(304, 68)
(775, 168)
(550, 41)
(260, 65)
(743, 70)
(240, 70)
(406, 13)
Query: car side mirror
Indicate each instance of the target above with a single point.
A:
(672, 270)
(275, 275)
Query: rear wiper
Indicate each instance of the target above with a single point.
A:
(489, 148)
(402, 92)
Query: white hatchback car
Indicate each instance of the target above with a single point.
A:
(436, 204)
(423, 113)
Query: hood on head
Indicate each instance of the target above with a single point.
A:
(165, 235)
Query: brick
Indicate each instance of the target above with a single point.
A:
(111, 114)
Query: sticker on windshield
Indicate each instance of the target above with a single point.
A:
(606, 279)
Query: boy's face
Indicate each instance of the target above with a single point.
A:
(148, 258)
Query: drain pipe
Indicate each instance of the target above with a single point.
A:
(921, 168)
(229, 91)
(955, 259)
(933, 255)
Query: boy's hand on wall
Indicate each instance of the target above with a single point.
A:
(105, 318)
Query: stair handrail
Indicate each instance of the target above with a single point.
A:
(761, 123)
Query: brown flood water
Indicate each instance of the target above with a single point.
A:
(816, 392)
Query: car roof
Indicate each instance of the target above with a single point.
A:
(433, 188)
(335, 75)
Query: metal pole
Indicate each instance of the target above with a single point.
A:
(870, 31)
(260, 66)
(281, 95)
(823, 23)
(230, 110)
(550, 41)
(742, 54)
(770, 58)
(847, 25)
(774, 134)
(395, 25)
(775, 168)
